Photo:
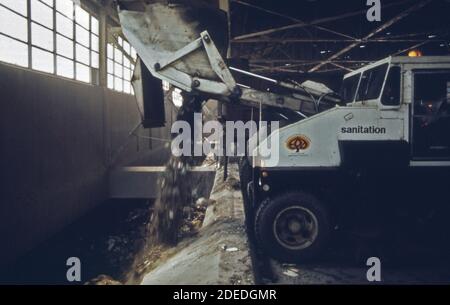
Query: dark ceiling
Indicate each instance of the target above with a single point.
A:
(311, 37)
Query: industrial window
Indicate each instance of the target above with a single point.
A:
(120, 65)
(55, 36)
(14, 39)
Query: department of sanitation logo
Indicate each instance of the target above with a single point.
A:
(298, 143)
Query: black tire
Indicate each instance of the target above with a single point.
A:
(269, 221)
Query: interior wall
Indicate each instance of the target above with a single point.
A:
(58, 139)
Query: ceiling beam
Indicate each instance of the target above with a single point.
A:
(342, 67)
(411, 48)
(300, 61)
(379, 29)
(298, 21)
(307, 40)
(300, 24)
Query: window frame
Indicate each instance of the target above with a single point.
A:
(415, 154)
(94, 51)
(364, 98)
(118, 81)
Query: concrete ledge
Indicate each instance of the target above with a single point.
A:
(138, 182)
(220, 253)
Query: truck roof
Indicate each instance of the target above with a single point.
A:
(403, 60)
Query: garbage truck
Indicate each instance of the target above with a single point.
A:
(379, 145)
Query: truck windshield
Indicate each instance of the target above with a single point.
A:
(371, 83)
(349, 88)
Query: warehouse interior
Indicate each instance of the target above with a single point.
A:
(80, 162)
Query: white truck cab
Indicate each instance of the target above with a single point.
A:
(391, 135)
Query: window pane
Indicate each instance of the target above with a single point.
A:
(94, 43)
(110, 81)
(110, 51)
(126, 47)
(13, 51)
(110, 66)
(371, 83)
(64, 46)
(126, 62)
(82, 54)
(133, 53)
(83, 73)
(391, 94)
(65, 7)
(81, 17)
(48, 2)
(118, 55)
(349, 88)
(94, 60)
(41, 13)
(19, 6)
(118, 84)
(41, 37)
(64, 67)
(94, 26)
(64, 25)
(82, 36)
(127, 74)
(42, 60)
(20, 28)
(118, 70)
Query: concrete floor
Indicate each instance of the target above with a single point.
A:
(336, 274)
(220, 253)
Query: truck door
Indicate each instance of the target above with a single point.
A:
(431, 115)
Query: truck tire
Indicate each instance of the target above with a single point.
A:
(292, 227)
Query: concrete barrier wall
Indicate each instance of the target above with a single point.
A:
(58, 140)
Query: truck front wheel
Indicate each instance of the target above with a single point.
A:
(292, 227)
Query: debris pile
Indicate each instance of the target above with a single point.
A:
(175, 195)
(176, 185)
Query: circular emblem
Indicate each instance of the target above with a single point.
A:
(298, 143)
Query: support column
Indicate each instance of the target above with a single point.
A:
(103, 77)
(225, 5)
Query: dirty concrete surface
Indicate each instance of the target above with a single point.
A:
(106, 241)
(219, 254)
(409, 262)
(337, 274)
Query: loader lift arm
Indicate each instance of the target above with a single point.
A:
(178, 50)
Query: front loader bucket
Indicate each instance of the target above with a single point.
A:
(157, 29)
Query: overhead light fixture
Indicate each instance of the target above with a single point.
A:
(414, 53)
(432, 36)
(362, 46)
